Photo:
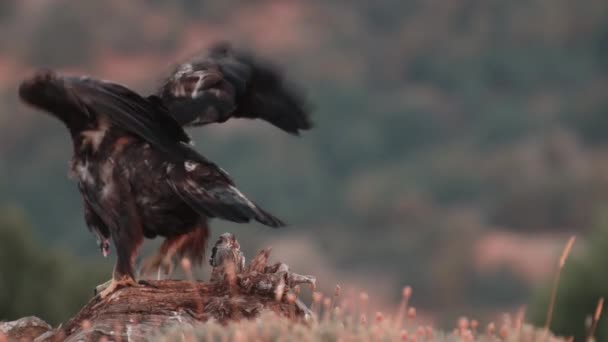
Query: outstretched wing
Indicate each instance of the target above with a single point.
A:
(200, 183)
(228, 83)
(129, 110)
(207, 189)
(82, 99)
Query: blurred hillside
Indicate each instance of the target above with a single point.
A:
(36, 279)
(457, 143)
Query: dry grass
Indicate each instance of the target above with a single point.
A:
(595, 319)
(562, 262)
(349, 319)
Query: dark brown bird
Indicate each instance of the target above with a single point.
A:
(213, 87)
(135, 169)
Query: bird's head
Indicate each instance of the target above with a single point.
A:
(228, 240)
(225, 242)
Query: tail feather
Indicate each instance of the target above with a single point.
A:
(219, 200)
(268, 219)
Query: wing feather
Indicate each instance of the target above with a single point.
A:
(243, 86)
(128, 110)
(208, 190)
(84, 99)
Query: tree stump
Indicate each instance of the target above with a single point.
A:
(236, 291)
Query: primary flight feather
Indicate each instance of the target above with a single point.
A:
(228, 83)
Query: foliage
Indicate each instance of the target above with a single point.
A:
(37, 279)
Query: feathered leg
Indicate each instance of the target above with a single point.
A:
(190, 245)
(127, 236)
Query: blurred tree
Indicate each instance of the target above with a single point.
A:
(62, 37)
(7, 7)
(601, 45)
(591, 124)
(36, 280)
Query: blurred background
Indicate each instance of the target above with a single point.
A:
(458, 144)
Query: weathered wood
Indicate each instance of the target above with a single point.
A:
(135, 313)
(23, 329)
(236, 292)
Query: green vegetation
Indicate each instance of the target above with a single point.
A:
(38, 279)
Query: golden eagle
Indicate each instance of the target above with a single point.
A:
(214, 87)
(135, 167)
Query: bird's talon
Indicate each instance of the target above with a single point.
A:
(113, 286)
(99, 288)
